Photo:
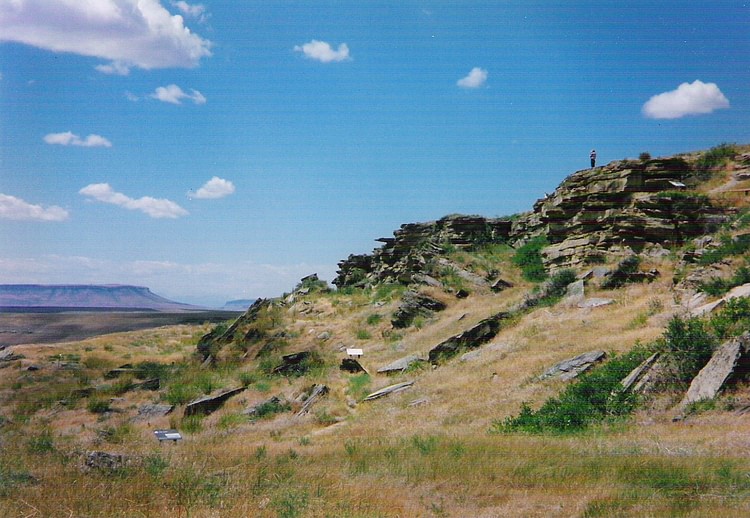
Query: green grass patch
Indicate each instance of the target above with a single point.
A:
(528, 258)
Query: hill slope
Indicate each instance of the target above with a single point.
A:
(306, 435)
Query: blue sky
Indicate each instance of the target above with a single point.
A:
(221, 150)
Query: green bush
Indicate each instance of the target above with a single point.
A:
(645, 156)
(715, 157)
(528, 258)
(622, 273)
(41, 443)
(732, 319)
(98, 406)
(270, 408)
(718, 286)
(729, 247)
(687, 347)
(596, 396)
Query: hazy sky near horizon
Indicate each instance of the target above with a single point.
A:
(216, 150)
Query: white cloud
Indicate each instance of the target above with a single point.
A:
(476, 78)
(129, 33)
(323, 52)
(688, 99)
(197, 11)
(70, 139)
(117, 68)
(173, 94)
(154, 207)
(214, 188)
(18, 209)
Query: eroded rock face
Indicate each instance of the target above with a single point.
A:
(472, 338)
(408, 252)
(573, 367)
(209, 404)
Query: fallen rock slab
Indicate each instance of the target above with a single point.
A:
(639, 372)
(725, 361)
(153, 410)
(480, 334)
(391, 389)
(414, 304)
(209, 404)
(351, 365)
(400, 365)
(595, 302)
(315, 393)
(572, 367)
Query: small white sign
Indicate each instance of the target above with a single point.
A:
(354, 352)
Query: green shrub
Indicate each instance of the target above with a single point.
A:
(41, 443)
(645, 156)
(155, 465)
(180, 393)
(270, 408)
(528, 258)
(687, 347)
(374, 319)
(98, 406)
(732, 319)
(713, 158)
(621, 275)
(359, 386)
(363, 334)
(192, 424)
(594, 397)
(729, 247)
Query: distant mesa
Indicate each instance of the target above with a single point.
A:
(83, 296)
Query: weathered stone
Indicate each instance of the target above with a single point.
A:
(209, 404)
(730, 359)
(7, 355)
(736, 292)
(500, 285)
(639, 372)
(466, 275)
(595, 302)
(293, 364)
(314, 394)
(153, 410)
(108, 462)
(572, 367)
(415, 304)
(351, 365)
(472, 338)
(400, 365)
(391, 389)
(575, 291)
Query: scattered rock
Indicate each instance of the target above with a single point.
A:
(351, 365)
(107, 462)
(462, 294)
(153, 410)
(575, 291)
(209, 404)
(572, 367)
(293, 364)
(400, 365)
(427, 280)
(313, 395)
(731, 359)
(480, 334)
(149, 384)
(7, 355)
(419, 402)
(637, 374)
(391, 389)
(594, 302)
(736, 292)
(325, 335)
(415, 304)
(500, 285)
(119, 371)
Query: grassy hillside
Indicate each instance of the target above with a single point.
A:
(437, 448)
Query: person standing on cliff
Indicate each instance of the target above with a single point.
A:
(592, 156)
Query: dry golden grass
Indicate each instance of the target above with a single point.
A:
(385, 457)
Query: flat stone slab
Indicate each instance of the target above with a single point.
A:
(711, 379)
(572, 367)
(153, 410)
(400, 365)
(595, 302)
(209, 404)
(391, 389)
(736, 292)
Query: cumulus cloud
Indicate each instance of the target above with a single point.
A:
(323, 52)
(688, 99)
(197, 11)
(18, 209)
(476, 78)
(128, 33)
(68, 138)
(173, 94)
(214, 188)
(154, 207)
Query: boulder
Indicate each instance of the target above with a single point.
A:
(500, 285)
(400, 365)
(730, 359)
(107, 462)
(209, 404)
(572, 367)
